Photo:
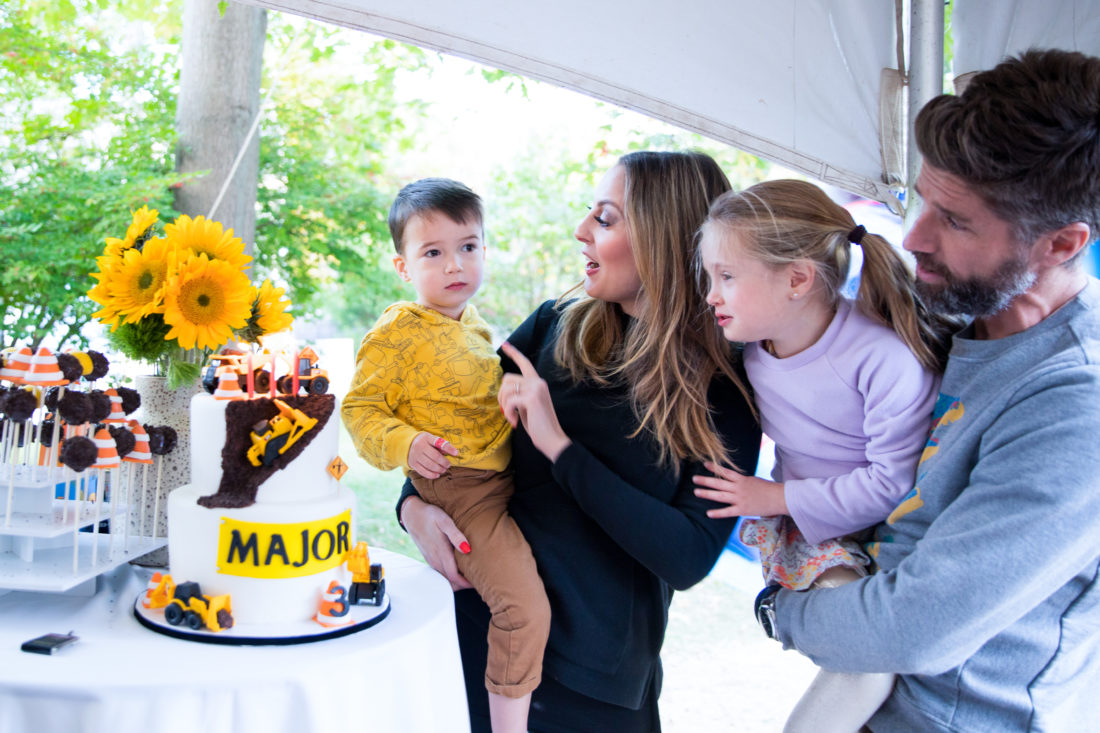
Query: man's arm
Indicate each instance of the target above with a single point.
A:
(1022, 528)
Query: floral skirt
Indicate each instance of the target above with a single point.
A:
(792, 562)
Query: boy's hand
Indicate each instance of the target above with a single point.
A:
(746, 495)
(428, 455)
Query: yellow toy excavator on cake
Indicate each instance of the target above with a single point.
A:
(272, 438)
(368, 582)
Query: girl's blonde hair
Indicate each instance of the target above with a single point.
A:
(780, 222)
(671, 350)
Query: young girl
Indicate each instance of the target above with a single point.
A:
(845, 389)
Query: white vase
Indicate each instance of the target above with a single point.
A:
(172, 407)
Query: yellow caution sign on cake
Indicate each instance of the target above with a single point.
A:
(262, 550)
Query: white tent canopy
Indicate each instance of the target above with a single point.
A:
(797, 82)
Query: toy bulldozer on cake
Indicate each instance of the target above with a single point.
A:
(368, 582)
(272, 438)
(185, 603)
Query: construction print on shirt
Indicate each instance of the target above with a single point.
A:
(454, 369)
(948, 410)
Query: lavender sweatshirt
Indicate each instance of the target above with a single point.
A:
(849, 417)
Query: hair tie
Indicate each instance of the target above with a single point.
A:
(856, 235)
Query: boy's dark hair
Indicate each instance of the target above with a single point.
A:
(450, 198)
(1026, 135)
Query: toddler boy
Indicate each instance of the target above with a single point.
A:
(424, 398)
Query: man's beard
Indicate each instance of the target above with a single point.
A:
(978, 297)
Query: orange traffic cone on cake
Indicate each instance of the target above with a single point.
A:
(159, 591)
(229, 386)
(333, 607)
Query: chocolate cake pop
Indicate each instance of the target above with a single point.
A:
(162, 439)
(70, 366)
(101, 405)
(20, 405)
(100, 365)
(131, 399)
(46, 432)
(124, 439)
(75, 408)
(78, 453)
(50, 400)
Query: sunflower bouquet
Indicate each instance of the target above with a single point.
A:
(173, 300)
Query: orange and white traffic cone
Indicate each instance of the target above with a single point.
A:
(229, 386)
(147, 599)
(333, 607)
(117, 416)
(43, 370)
(16, 365)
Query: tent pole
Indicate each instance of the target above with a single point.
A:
(926, 18)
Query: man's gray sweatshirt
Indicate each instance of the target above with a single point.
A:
(986, 602)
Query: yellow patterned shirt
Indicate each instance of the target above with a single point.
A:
(419, 370)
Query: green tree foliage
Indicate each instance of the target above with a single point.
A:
(85, 136)
(332, 128)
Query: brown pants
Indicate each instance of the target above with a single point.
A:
(502, 570)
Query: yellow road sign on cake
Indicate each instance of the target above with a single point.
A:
(261, 550)
(337, 468)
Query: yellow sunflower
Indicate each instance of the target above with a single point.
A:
(101, 294)
(140, 230)
(270, 307)
(203, 236)
(268, 314)
(204, 301)
(137, 286)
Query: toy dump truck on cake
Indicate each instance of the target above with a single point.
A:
(238, 363)
(311, 378)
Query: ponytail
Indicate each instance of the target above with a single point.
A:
(787, 220)
(887, 294)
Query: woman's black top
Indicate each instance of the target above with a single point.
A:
(613, 532)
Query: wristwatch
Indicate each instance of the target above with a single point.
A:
(765, 610)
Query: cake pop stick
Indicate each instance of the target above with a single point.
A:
(144, 498)
(162, 441)
(140, 454)
(78, 453)
(106, 459)
(156, 499)
(19, 407)
(129, 492)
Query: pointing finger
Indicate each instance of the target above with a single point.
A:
(526, 368)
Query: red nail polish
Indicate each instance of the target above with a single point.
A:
(465, 548)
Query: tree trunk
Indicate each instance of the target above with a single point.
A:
(222, 60)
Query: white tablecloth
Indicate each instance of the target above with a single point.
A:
(404, 674)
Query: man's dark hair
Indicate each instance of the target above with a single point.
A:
(1026, 135)
(450, 198)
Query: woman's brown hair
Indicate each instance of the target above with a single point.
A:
(782, 221)
(672, 349)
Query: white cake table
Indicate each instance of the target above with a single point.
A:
(404, 674)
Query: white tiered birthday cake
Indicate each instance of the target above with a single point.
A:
(265, 519)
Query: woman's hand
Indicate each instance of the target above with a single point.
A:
(428, 455)
(525, 398)
(746, 495)
(437, 537)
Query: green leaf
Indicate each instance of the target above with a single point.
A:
(182, 373)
